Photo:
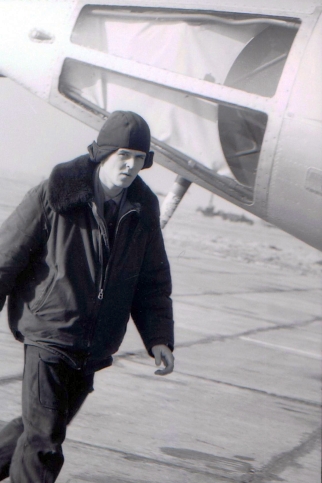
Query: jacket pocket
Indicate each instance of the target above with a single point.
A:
(52, 381)
(38, 304)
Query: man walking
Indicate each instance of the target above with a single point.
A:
(81, 254)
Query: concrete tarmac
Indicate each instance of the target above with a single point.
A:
(244, 402)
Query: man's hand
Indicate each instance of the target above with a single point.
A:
(162, 353)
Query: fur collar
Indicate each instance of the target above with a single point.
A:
(71, 186)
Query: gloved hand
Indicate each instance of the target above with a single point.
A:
(163, 354)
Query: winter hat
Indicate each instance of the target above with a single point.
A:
(123, 129)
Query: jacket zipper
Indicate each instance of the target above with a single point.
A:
(103, 277)
(102, 228)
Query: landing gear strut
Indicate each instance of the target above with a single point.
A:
(173, 199)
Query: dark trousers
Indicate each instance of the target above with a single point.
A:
(52, 393)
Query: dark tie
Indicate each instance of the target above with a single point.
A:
(110, 215)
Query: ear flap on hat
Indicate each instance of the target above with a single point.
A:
(98, 154)
(148, 160)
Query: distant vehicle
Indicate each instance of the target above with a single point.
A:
(232, 90)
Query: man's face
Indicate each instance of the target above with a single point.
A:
(121, 168)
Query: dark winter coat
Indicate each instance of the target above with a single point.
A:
(51, 251)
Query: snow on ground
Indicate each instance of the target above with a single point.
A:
(257, 243)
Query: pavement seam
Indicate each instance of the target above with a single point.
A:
(209, 340)
(146, 459)
(260, 391)
(237, 386)
(282, 461)
(272, 290)
(222, 338)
